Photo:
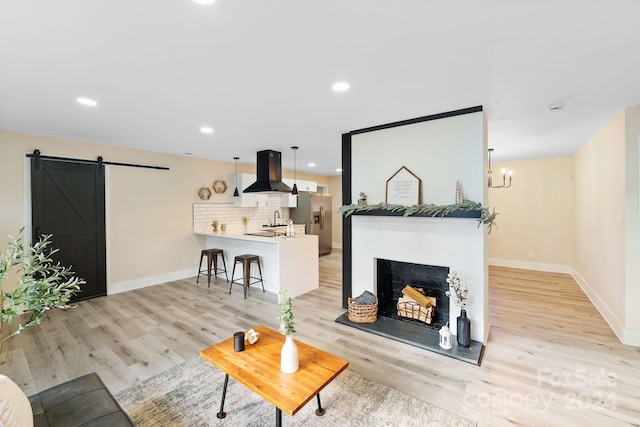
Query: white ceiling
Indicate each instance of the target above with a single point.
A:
(260, 72)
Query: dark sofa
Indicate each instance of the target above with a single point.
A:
(85, 402)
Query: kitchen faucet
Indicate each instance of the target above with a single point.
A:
(274, 217)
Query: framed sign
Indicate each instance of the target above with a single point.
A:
(404, 188)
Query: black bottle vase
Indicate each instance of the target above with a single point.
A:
(464, 329)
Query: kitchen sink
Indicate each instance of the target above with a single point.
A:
(275, 225)
(265, 233)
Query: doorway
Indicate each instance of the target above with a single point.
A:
(68, 201)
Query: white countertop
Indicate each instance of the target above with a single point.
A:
(240, 236)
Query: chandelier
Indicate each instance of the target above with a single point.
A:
(504, 173)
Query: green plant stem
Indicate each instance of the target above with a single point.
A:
(486, 217)
(287, 321)
(41, 283)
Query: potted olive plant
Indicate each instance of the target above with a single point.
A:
(40, 285)
(214, 224)
(289, 354)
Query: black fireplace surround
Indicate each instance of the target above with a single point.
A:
(393, 276)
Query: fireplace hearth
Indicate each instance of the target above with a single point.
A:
(391, 278)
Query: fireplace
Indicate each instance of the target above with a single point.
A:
(390, 278)
(394, 251)
(393, 276)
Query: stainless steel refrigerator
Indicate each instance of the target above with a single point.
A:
(314, 211)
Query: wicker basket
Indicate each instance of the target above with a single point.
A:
(362, 313)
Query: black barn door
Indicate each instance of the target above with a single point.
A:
(68, 202)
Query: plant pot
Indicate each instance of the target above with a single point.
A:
(464, 329)
(215, 229)
(289, 356)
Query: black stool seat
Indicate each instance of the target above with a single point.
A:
(212, 261)
(246, 260)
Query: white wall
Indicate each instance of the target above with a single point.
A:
(631, 331)
(599, 227)
(535, 221)
(150, 236)
(606, 216)
(439, 152)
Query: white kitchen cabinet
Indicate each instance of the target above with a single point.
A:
(288, 181)
(307, 186)
(310, 186)
(249, 200)
(288, 201)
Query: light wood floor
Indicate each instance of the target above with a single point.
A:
(550, 359)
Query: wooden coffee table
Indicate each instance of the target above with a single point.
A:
(258, 369)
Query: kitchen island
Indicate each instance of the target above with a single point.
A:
(290, 263)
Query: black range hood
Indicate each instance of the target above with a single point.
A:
(268, 174)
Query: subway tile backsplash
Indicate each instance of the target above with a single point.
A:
(204, 213)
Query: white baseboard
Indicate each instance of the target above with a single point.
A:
(143, 282)
(526, 265)
(486, 334)
(631, 337)
(616, 325)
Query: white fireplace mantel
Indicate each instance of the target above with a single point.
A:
(456, 243)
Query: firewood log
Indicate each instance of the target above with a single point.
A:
(424, 301)
(407, 307)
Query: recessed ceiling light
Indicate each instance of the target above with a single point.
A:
(555, 106)
(205, 2)
(87, 101)
(341, 86)
(206, 130)
(311, 165)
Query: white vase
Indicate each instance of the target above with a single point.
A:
(289, 356)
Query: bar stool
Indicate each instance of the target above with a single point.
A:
(246, 260)
(212, 258)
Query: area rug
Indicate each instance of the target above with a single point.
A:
(190, 393)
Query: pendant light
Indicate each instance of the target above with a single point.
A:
(235, 192)
(294, 191)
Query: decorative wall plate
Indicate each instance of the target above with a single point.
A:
(219, 186)
(204, 193)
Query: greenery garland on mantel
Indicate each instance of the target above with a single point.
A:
(486, 217)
